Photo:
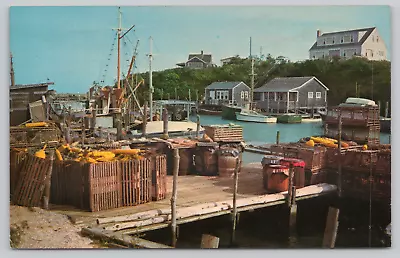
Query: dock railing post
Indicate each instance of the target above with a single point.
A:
(165, 123)
(277, 137)
(386, 109)
(47, 187)
(234, 208)
(174, 196)
(144, 120)
(291, 200)
(332, 223)
(198, 127)
(340, 155)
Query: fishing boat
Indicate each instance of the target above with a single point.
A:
(229, 112)
(253, 116)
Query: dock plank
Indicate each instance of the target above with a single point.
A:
(192, 190)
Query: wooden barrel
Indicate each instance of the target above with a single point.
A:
(206, 161)
(278, 180)
(185, 161)
(226, 165)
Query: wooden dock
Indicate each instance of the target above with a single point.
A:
(198, 198)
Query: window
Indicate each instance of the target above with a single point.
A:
(242, 94)
(317, 95)
(246, 94)
(351, 38)
(310, 95)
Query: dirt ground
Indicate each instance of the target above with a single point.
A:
(35, 228)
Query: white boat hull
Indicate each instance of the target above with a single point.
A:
(256, 119)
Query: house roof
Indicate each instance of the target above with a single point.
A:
(26, 86)
(196, 58)
(285, 84)
(205, 57)
(223, 85)
(360, 42)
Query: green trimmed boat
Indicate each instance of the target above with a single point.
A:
(289, 119)
(229, 112)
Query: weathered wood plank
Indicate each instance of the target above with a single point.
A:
(125, 240)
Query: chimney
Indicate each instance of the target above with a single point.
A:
(318, 33)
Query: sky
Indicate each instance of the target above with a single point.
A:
(73, 46)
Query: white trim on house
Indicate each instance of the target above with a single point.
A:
(194, 58)
(310, 95)
(318, 95)
(309, 81)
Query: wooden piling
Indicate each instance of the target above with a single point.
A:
(234, 206)
(174, 196)
(118, 118)
(290, 190)
(277, 137)
(94, 115)
(326, 129)
(387, 109)
(340, 154)
(144, 120)
(165, 123)
(379, 107)
(47, 186)
(83, 128)
(208, 241)
(198, 127)
(332, 223)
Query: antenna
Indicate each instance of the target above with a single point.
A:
(151, 79)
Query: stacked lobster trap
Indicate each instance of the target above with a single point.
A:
(87, 186)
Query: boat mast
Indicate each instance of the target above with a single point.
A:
(252, 79)
(12, 71)
(151, 80)
(119, 49)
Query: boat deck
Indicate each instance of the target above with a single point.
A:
(197, 194)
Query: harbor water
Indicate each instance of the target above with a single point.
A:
(268, 227)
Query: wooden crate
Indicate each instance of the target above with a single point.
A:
(359, 160)
(30, 186)
(159, 178)
(224, 133)
(314, 157)
(16, 160)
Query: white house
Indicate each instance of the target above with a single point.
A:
(360, 42)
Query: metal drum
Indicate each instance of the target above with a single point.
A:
(227, 161)
(206, 161)
(185, 161)
(298, 169)
(277, 178)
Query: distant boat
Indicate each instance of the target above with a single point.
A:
(204, 111)
(253, 116)
(229, 112)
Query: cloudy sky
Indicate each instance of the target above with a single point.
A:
(71, 45)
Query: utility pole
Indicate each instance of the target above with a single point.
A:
(151, 80)
(252, 79)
